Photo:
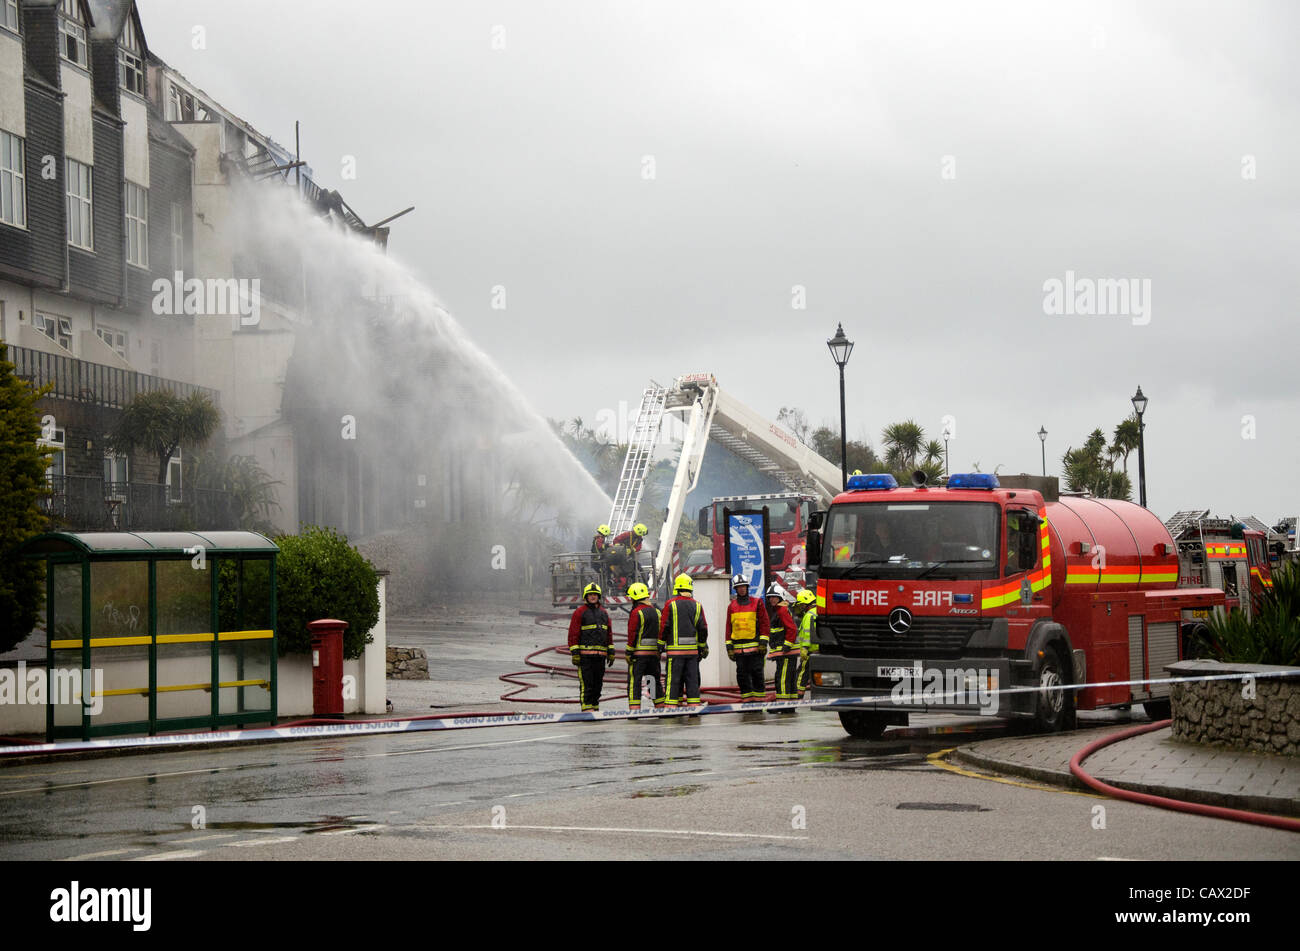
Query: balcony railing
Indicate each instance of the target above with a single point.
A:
(84, 504)
(93, 383)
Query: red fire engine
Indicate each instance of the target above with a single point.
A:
(978, 585)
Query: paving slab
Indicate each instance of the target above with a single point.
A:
(1151, 763)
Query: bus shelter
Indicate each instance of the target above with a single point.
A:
(157, 631)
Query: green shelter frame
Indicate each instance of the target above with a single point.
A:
(168, 631)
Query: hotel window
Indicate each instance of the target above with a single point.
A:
(117, 470)
(13, 181)
(137, 225)
(180, 104)
(57, 468)
(72, 43)
(9, 15)
(130, 72)
(130, 65)
(58, 329)
(114, 338)
(81, 217)
(174, 477)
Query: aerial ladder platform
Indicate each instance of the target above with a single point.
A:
(706, 412)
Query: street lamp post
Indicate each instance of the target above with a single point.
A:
(947, 434)
(1140, 407)
(840, 347)
(1042, 437)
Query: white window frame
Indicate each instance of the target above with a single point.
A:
(58, 329)
(112, 460)
(136, 203)
(72, 30)
(10, 19)
(178, 236)
(13, 180)
(81, 208)
(130, 67)
(175, 493)
(55, 445)
(114, 338)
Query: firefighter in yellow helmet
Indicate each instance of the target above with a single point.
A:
(643, 646)
(600, 553)
(805, 615)
(684, 633)
(591, 646)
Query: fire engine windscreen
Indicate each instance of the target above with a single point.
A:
(906, 540)
(783, 513)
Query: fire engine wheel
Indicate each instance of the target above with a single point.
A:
(864, 726)
(1054, 706)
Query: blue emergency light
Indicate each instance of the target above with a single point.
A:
(973, 480)
(872, 482)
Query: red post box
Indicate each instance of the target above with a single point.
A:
(327, 667)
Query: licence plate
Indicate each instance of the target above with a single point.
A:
(895, 673)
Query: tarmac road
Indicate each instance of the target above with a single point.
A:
(754, 785)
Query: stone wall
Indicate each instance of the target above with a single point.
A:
(407, 663)
(1249, 712)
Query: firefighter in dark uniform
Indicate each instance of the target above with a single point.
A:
(633, 539)
(591, 646)
(783, 643)
(643, 646)
(746, 640)
(600, 552)
(685, 636)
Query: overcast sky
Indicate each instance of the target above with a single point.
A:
(650, 182)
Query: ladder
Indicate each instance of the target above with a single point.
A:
(636, 464)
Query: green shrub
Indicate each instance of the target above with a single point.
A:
(22, 475)
(319, 575)
(1272, 636)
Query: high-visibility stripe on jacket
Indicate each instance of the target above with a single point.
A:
(682, 626)
(747, 628)
(590, 631)
(643, 630)
(783, 632)
(805, 641)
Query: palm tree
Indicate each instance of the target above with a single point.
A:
(903, 443)
(251, 488)
(161, 422)
(1127, 435)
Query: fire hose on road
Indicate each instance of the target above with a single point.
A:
(1163, 802)
(565, 670)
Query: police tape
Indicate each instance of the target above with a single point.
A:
(939, 675)
(425, 725)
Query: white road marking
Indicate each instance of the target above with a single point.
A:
(99, 855)
(1109, 858)
(721, 835)
(353, 831)
(247, 842)
(121, 779)
(168, 856)
(450, 749)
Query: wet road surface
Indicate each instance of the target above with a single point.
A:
(728, 786)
